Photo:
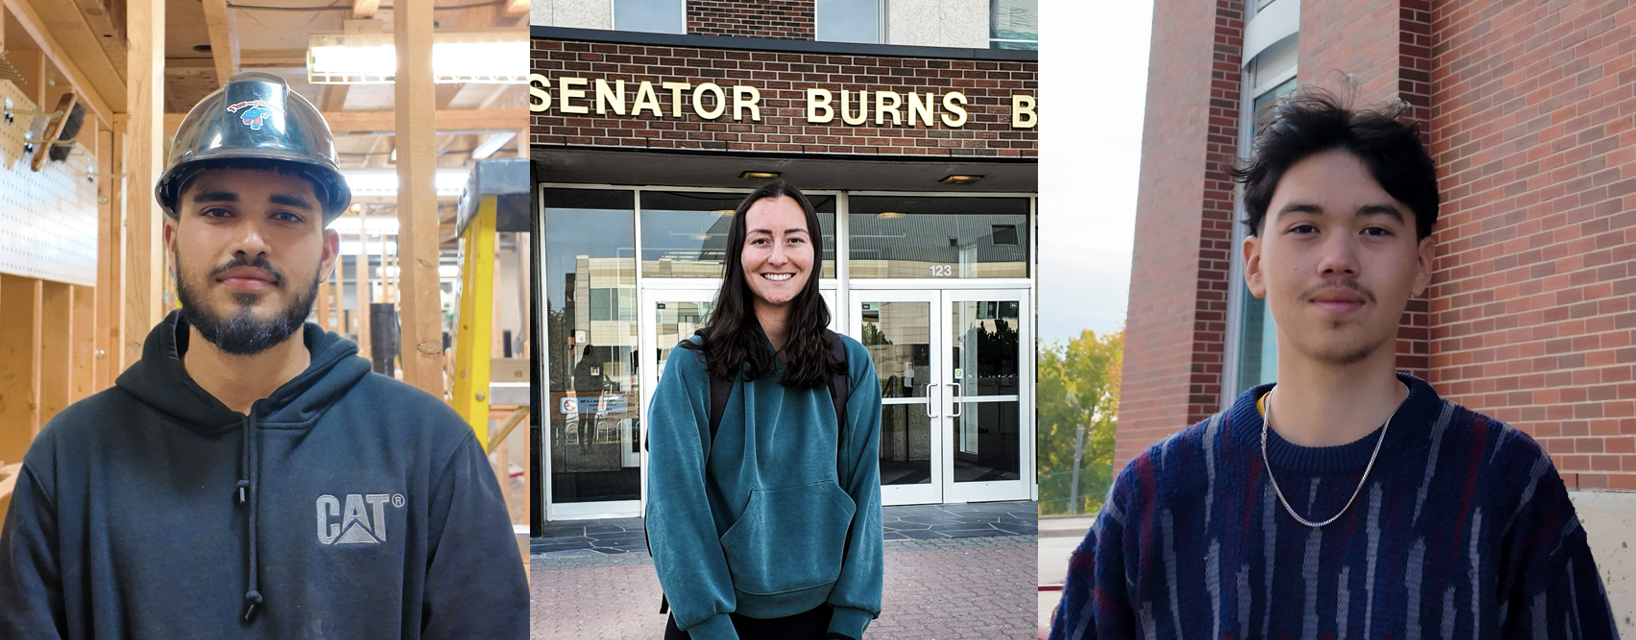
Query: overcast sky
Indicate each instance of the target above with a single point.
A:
(1093, 83)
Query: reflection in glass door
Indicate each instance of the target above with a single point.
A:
(897, 327)
(955, 368)
(669, 316)
(988, 349)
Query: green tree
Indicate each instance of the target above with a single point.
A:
(1078, 385)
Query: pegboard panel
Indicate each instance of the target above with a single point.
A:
(48, 219)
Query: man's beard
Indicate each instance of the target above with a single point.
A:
(241, 333)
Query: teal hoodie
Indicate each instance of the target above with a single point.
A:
(762, 522)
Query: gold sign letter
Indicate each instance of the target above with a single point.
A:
(565, 91)
(921, 110)
(606, 96)
(863, 108)
(1022, 111)
(539, 99)
(676, 89)
(746, 97)
(887, 102)
(646, 99)
(954, 103)
(818, 100)
(698, 100)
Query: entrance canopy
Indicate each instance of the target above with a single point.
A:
(809, 173)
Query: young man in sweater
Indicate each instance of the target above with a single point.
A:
(1346, 500)
(249, 477)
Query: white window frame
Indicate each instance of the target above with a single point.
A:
(1235, 265)
(880, 35)
(993, 40)
(613, 18)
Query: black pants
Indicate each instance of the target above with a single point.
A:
(807, 625)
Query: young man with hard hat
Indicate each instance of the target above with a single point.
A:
(249, 477)
(1347, 500)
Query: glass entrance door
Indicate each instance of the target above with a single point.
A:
(956, 370)
(900, 330)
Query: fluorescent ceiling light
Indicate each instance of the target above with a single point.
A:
(385, 183)
(457, 56)
(375, 225)
(350, 248)
(443, 271)
(759, 175)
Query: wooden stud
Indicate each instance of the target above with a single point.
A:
(144, 301)
(413, 100)
(321, 310)
(224, 39)
(83, 379)
(56, 348)
(20, 327)
(360, 287)
(110, 255)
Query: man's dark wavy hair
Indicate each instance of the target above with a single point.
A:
(1312, 121)
(734, 337)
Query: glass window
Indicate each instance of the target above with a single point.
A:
(684, 233)
(1014, 24)
(939, 237)
(849, 21)
(657, 16)
(1257, 335)
(590, 288)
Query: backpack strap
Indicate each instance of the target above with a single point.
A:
(839, 392)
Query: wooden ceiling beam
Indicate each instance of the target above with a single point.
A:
(365, 9)
(335, 97)
(29, 19)
(224, 39)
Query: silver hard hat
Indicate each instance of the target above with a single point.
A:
(255, 120)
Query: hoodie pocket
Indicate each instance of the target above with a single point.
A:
(789, 539)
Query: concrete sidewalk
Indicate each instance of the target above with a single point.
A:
(962, 571)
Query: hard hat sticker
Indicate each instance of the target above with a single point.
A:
(255, 112)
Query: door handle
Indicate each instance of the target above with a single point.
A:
(929, 404)
(955, 397)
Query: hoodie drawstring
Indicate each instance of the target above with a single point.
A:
(246, 487)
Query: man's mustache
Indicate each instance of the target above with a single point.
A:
(1342, 282)
(240, 261)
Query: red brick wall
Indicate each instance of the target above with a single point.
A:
(1531, 313)
(782, 79)
(780, 19)
(1179, 273)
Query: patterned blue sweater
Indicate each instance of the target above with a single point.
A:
(1464, 530)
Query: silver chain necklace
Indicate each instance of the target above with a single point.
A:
(1355, 492)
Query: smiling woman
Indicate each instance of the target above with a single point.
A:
(794, 422)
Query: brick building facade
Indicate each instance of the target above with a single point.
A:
(1530, 114)
(920, 158)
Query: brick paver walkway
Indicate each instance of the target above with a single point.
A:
(961, 586)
